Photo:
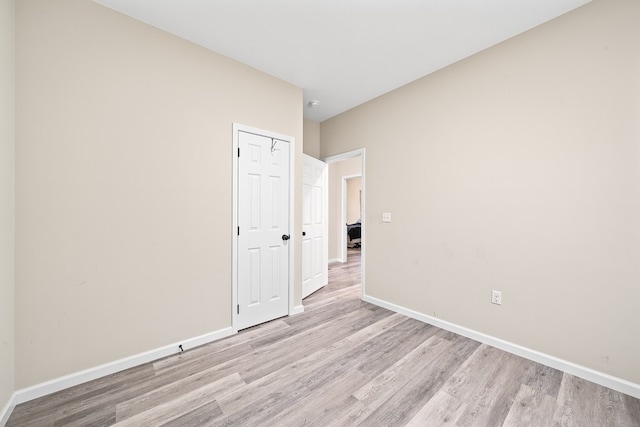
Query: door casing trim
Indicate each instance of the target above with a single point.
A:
(361, 152)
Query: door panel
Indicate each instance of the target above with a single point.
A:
(263, 220)
(315, 273)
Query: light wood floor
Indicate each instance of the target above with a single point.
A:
(341, 362)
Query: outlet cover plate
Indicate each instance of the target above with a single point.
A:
(496, 297)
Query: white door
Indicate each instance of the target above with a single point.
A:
(315, 230)
(263, 229)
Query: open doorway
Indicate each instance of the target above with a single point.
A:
(351, 213)
(347, 213)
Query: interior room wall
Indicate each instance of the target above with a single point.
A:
(525, 166)
(337, 170)
(124, 184)
(353, 199)
(7, 197)
(311, 136)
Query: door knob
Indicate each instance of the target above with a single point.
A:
(304, 233)
(285, 237)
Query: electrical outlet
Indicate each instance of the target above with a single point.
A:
(386, 216)
(496, 297)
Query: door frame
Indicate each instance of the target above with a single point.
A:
(361, 152)
(293, 240)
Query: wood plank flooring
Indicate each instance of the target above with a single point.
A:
(341, 362)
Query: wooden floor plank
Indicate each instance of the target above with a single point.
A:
(205, 415)
(280, 354)
(531, 407)
(441, 410)
(47, 408)
(474, 372)
(320, 406)
(95, 416)
(386, 384)
(381, 387)
(581, 402)
(229, 345)
(181, 404)
(545, 379)
(295, 370)
(495, 395)
(382, 345)
(429, 378)
(261, 411)
(341, 362)
(167, 393)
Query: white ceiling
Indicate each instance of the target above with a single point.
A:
(345, 52)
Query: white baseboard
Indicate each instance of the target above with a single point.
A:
(74, 379)
(606, 380)
(297, 310)
(7, 410)
(336, 260)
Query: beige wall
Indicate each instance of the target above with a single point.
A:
(338, 170)
(353, 199)
(311, 137)
(124, 184)
(7, 164)
(526, 164)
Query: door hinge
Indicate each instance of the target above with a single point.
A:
(238, 151)
(238, 308)
(238, 231)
